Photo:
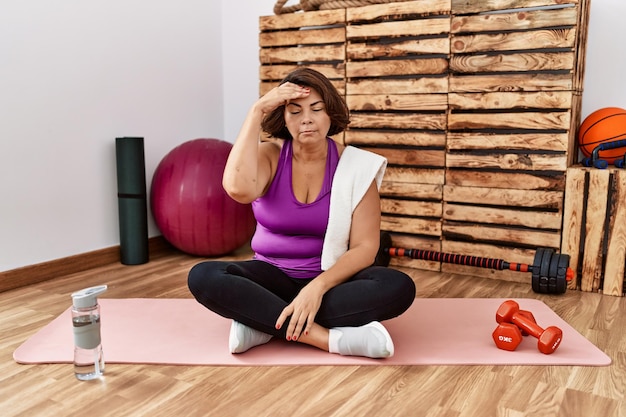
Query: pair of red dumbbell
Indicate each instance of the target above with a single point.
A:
(514, 323)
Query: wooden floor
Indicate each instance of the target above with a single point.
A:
(137, 390)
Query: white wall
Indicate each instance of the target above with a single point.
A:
(76, 75)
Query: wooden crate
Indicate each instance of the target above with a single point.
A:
(475, 104)
(513, 72)
(594, 231)
(397, 92)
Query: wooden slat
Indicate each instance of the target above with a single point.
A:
(396, 67)
(278, 72)
(616, 240)
(318, 53)
(510, 82)
(484, 250)
(411, 190)
(412, 225)
(501, 216)
(523, 181)
(520, 62)
(511, 100)
(594, 230)
(398, 9)
(411, 208)
(398, 121)
(522, 162)
(524, 120)
(553, 142)
(400, 48)
(515, 41)
(402, 102)
(477, 233)
(552, 200)
(425, 157)
(573, 217)
(298, 20)
(518, 20)
(466, 7)
(418, 85)
(396, 138)
(299, 37)
(398, 28)
(415, 175)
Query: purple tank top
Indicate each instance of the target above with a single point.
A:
(290, 234)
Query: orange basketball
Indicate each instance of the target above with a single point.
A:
(604, 125)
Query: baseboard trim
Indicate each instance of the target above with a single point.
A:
(33, 274)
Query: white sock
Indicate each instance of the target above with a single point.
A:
(242, 337)
(371, 340)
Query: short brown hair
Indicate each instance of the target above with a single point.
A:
(336, 108)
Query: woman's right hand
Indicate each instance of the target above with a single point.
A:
(281, 95)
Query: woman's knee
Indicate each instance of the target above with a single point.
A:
(200, 276)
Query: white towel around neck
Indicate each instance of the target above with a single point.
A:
(355, 172)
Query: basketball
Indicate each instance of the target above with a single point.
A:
(603, 126)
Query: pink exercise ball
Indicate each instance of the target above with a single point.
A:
(190, 206)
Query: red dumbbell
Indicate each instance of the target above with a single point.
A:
(508, 336)
(548, 340)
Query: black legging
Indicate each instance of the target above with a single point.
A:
(255, 293)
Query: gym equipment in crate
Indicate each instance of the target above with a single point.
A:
(595, 161)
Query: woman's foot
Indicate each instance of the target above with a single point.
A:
(371, 340)
(242, 337)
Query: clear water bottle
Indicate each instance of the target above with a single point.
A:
(88, 359)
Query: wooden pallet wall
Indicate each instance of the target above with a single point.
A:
(475, 105)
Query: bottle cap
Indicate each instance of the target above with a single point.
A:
(88, 297)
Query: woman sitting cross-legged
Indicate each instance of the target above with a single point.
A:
(317, 208)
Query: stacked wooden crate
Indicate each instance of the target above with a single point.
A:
(475, 104)
(397, 92)
(513, 99)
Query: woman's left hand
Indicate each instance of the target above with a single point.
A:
(302, 310)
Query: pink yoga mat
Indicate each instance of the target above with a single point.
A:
(434, 331)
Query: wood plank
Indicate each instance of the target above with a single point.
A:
(510, 82)
(616, 248)
(299, 20)
(552, 200)
(553, 142)
(418, 85)
(573, 217)
(411, 225)
(523, 162)
(558, 120)
(480, 233)
(524, 19)
(522, 180)
(302, 54)
(395, 138)
(519, 62)
(421, 27)
(512, 100)
(415, 175)
(397, 10)
(594, 230)
(302, 37)
(411, 190)
(411, 208)
(402, 102)
(467, 7)
(501, 216)
(395, 49)
(425, 121)
(279, 71)
(418, 66)
(423, 157)
(514, 41)
(506, 253)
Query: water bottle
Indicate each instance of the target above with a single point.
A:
(88, 359)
